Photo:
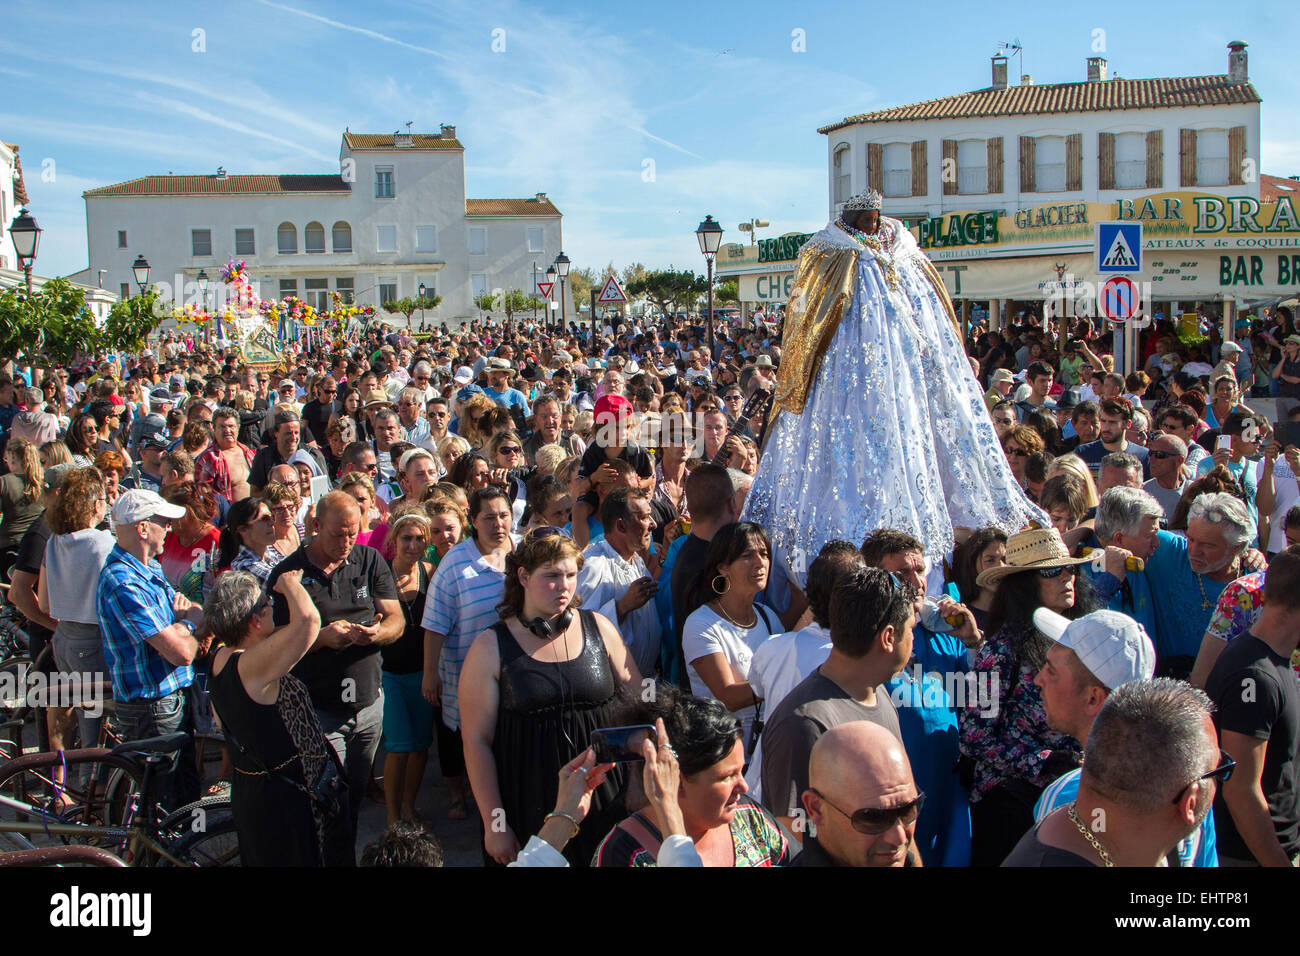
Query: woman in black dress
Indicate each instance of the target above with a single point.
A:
(280, 751)
(532, 689)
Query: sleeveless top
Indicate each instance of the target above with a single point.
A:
(406, 654)
(545, 716)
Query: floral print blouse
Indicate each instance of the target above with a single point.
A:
(1012, 739)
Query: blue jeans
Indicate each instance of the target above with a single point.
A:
(142, 719)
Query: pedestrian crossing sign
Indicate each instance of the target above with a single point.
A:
(1119, 247)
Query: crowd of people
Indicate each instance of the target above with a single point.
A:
(492, 544)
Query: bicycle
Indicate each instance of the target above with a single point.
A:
(125, 818)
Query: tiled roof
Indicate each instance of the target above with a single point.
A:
(20, 188)
(1270, 187)
(385, 141)
(510, 207)
(1113, 94)
(222, 186)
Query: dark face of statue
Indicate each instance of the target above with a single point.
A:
(868, 221)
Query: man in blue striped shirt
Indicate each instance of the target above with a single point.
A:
(149, 631)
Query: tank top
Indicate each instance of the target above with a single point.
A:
(406, 654)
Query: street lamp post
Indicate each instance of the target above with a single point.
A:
(752, 228)
(423, 290)
(140, 269)
(550, 299)
(709, 233)
(562, 270)
(26, 236)
(202, 278)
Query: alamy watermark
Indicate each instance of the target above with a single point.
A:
(35, 688)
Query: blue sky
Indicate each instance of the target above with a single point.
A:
(582, 96)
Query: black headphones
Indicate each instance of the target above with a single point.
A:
(547, 630)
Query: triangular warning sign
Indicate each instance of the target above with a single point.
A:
(545, 289)
(611, 292)
(1120, 256)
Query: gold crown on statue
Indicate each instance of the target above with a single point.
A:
(868, 200)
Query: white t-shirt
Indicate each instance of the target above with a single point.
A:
(705, 633)
(1288, 494)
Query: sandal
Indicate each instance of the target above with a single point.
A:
(219, 789)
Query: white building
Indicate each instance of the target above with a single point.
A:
(394, 217)
(13, 196)
(1003, 186)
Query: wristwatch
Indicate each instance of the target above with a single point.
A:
(188, 623)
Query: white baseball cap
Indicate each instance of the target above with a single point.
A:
(464, 375)
(1110, 644)
(139, 504)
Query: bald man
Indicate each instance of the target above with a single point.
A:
(354, 592)
(862, 800)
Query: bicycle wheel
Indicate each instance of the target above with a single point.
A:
(202, 834)
(109, 807)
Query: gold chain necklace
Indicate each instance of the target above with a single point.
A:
(1087, 835)
(743, 627)
(1200, 582)
(882, 250)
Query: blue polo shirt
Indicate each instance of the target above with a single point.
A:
(133, 603)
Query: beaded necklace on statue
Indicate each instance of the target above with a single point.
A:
(881, 247)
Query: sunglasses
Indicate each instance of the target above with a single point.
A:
(509, 450)
(1017, 453)
(547, 531)
(1222, 773)
(1069, 569)
(874, 821)
(262, 604)
(1162, 455)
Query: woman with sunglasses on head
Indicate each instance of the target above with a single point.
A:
(724, 622)
(246, 539)
(1006, 746)
(533, 688)
(505, 454)
(713, 808)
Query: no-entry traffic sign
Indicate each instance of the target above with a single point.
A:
(1118, 299)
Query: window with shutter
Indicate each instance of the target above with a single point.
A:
(843, 173)
(1050, 164)
(1211, 157)
(972, 167)
(995, 165)
(948, 168)
(898, 170)
(1130, 161)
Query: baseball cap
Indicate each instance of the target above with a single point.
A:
(498, 364)
(1229, 348)
(160, 394)
(464, 375)
(615, 405)
(464, 394)
(55, 474)
(1110, 644)
(137, 504)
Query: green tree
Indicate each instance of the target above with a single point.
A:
(485, 301)
(726, 292)
(516, 300)
(409, 305)
(631, 273)
(580, 284)
(54, 322)
(131, 320)
(668, 288)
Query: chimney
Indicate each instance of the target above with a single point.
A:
(221, 172)
(1237, 62)
(999, 72)
(1026, 79)
(448, 132)
(541, 197)
(1096, 69)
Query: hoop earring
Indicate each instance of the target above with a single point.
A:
(714, 585)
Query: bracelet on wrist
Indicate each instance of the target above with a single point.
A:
(566, 816)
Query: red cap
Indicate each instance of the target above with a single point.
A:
(615, 405)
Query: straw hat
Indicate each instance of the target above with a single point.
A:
(1030, 550)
